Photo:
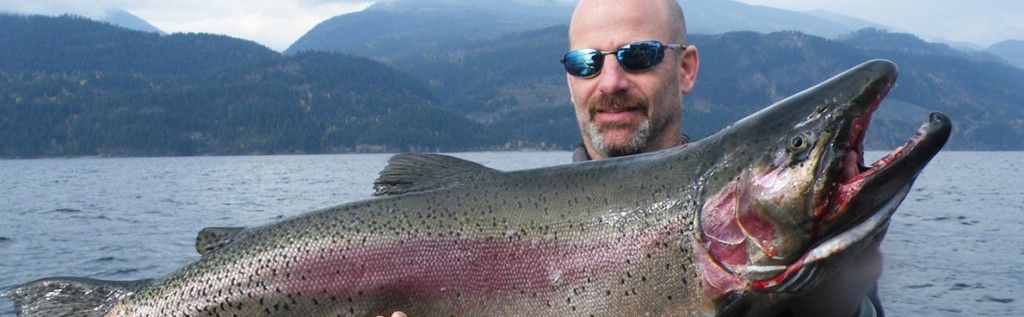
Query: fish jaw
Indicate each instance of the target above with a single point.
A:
(871, 195)
(866, 187)
(858, 200)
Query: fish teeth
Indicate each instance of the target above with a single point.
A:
(759, 269)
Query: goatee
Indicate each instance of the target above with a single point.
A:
(636, 143)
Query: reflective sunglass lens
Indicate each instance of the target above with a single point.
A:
(640, 56)
(582, 63)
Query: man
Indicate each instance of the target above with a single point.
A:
(627, 92)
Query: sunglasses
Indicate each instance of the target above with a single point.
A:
(633, 57)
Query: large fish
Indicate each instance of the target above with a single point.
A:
(735, 224)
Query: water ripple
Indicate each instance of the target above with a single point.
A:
(106, 259)
(963, 286)
(993, 299)
(67, 210)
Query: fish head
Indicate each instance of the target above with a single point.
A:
(794, 191)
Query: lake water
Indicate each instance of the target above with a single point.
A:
(955, 247)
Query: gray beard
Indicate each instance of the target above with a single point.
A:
(634, 146)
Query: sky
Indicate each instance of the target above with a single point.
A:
(272, 23)
(278, 23)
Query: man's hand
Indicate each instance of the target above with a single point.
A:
(842, 293)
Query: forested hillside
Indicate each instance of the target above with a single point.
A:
(74, 87)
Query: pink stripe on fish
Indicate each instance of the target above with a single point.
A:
(432, 269)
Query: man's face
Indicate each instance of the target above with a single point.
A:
(620, 112)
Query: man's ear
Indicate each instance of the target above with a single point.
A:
(689, 64)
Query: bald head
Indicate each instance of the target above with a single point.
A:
(665, 15)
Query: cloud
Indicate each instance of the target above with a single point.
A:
(92, 9)
(273, 23)
(323, 2)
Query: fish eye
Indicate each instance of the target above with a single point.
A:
(798, 143)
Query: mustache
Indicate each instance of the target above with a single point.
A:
(616, 102)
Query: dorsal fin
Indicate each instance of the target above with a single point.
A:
(407, 173)
(214, 238)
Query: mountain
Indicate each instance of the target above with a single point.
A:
(116, 17)
(94, 89)
(878, 39)
(72, 44)
(1011, 50)
(130, 21)
(394, 28)
(846, 21)
(720, 16)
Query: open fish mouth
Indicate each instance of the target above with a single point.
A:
(862, 198)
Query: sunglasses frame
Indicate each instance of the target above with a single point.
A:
(597, 57)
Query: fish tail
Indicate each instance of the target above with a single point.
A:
(70, 296)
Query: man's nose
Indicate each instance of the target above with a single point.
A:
(613, 79)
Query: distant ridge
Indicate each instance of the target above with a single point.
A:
(128, 20)
(721, 16)
(74, 43)
(847, 21)
(116, 17)
(1010, 50)
(393, 28)
(878, 39)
